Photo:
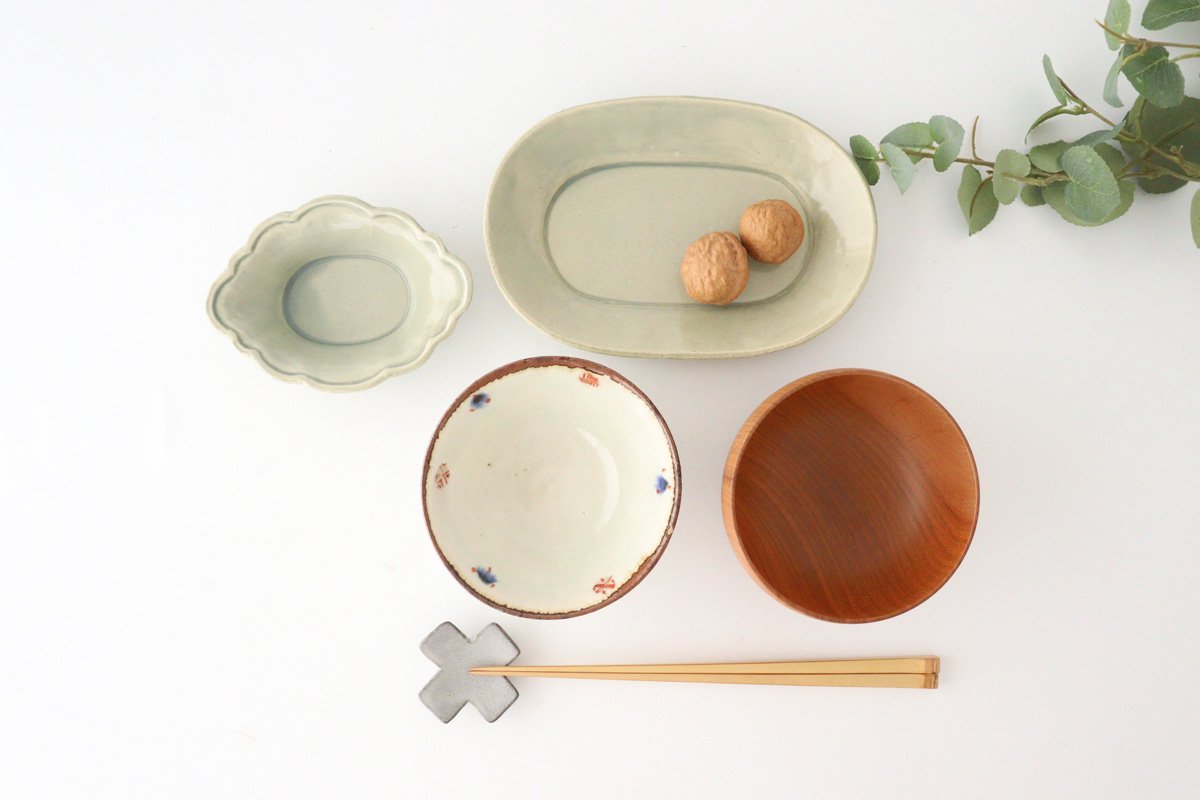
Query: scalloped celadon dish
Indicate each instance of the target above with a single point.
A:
(340, 294)
(551, 487)
(591, 211)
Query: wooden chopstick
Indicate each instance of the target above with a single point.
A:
(895, 680)
(907, 673)
(919, 664)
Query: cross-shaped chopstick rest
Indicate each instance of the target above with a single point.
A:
(454, 686)
(477, 672)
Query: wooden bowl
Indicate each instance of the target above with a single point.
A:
(850, 495)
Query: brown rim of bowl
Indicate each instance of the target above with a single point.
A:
(735, 455)
(551, 361)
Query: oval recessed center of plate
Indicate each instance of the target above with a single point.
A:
(619, 232)
(346, 299)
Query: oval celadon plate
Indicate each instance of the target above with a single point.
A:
(590, 212)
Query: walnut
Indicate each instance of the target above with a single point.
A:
(715, 268)
(771, 231)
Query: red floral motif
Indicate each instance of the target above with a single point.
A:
(589, 379)
(604, 586)
(442, 476)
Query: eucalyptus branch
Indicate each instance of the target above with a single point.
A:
(1036, 176)
(1087, 108)
(930, 154)
(1156, 170)
(1155, 148)
(1085, 179)
(1135, 139)
(1140, 43)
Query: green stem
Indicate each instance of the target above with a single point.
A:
(1046, 178)
(1175, 174)
(1147, 170)
(1036, 177)
(1139, 162)
(1155, 147)
(1156, 170)
(1086, 106)
(1122, 136)
(1195, 54)
(1153, 175)
(978, 162)
(1128, 166)
(1135, 40)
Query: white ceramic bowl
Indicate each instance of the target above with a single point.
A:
(340, 295)
(551, 487)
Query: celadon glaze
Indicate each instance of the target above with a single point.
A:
(340, 294)
(552, 488)
(590, 212)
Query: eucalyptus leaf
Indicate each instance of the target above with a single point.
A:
(1052, 78)
(902, 168)
(1196, 218)
(1165, 128)
(1154, 75)
(1032, 195)
(977, 200)
(1160, 14)
(913, 135)
(1009, 164)
(1092, 193)
(1047, 115)
(1045, 156)
(949, 137)
(1096, 137)
(1055, 193)
(1111, 95)
(865, 155)
(1117, 18)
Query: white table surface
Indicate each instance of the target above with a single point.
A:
(213, 584)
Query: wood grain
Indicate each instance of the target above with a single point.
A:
(850, 495)
(893, 680)
(914, 665)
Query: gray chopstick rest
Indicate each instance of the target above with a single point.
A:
(454, 686)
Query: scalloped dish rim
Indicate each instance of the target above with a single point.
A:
(385, 371)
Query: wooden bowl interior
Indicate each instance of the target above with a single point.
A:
(851, 495)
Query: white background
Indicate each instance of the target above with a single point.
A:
(213, 584)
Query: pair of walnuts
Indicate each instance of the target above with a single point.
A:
(716, 266)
